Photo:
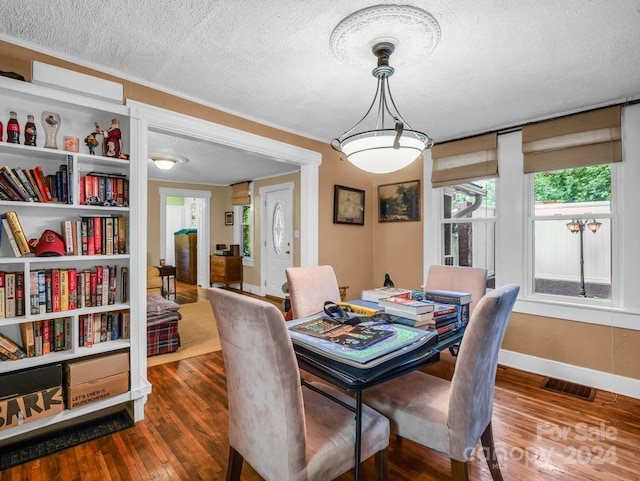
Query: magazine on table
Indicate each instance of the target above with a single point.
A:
(337, 342)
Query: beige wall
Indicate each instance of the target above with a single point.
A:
(362, 254)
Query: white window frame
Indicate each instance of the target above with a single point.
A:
(237, 230)
(514, 241)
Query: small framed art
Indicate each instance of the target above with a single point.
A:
(399, 202)
(228, 218)
(348, 205)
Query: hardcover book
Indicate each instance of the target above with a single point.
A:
(374, 295)
(407, 305)
(421, 319)
(448, 297)
(351, 336)
(361, 308)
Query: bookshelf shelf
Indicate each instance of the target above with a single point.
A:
(78, 115)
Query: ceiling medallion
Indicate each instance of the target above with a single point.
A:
(414, 32)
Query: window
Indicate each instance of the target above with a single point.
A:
(244, 232)
(468, 225)
(571, 232)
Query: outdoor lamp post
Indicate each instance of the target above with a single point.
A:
(577, 225)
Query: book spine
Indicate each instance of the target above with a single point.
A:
(33, 293)
(34, 185)
(26, 185)
(46, 192)
(73, 288)
(42, 292)
(55, 290)
(2, 295)
(16, 184)
(46, 337)
(18, 233)
(10, 294)
(8, 189)
(70, 168)
(82, 320)
(88, 331)
(104, 298)
(28, 339)
(48, 280)
(14, 351)
(20, 294)
(444, 298)
(67, 333)
(122, 235)
(12, 239)
(64, 290)
(359, 310)
(67, 235)
(58, 335)
(37, 336)
(108, 237)
(112, 285)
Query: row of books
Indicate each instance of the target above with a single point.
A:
(32, 185)
(45, 336)
(91, 235)
(58, 290)
(102, 327)
(11, 294)
(95, 235)
(104, 188)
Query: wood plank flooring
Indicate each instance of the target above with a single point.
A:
(540, 436)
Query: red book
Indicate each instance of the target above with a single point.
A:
(93, 289)
(99, 281)
(73, 287)
(46, 336)
(97, 235)
(42, 185)
(20, 307)
(55, 290)
(88, 331)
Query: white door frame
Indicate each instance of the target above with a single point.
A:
(266, 229)
(308, 160)
(203, 234)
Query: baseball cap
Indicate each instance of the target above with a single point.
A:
(50, 244)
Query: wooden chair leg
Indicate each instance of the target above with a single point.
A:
(382, 465)
(490, 453)
(234, 466)
(459, 470)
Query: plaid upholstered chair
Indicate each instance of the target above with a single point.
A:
(451, 417)
(284, 431)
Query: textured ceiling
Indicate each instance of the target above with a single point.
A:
(498, 63)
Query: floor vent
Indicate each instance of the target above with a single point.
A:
(572, 389)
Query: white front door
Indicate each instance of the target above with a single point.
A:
(278, 236)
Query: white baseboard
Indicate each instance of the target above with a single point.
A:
(251, 289)
(580, 375)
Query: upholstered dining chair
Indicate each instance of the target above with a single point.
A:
(286, 432)
(461, 279)
(451, 416)
(310, 287)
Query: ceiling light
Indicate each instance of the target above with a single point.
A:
(382, 141)
(166, 161)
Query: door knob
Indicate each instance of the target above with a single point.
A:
(287, 252)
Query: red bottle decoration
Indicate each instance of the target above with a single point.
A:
(30, 132)
(13, 129)
(1, 131)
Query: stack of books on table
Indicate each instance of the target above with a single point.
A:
(409, 311)
(451, 311)
(374, 295)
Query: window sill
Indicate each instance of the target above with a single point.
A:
(603, 315)
(247, 262)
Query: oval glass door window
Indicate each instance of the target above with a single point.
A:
(277, 228)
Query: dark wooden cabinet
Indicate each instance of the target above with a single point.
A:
(186, 257)
(225, 270)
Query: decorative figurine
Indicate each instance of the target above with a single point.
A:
(91, 142)
(30, 132)
(112, 139)
(387, 281)
(51, 124)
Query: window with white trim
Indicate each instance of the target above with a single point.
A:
(243, 233)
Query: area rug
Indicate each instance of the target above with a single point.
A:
(198, 334)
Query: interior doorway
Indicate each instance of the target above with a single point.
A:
(182, 209)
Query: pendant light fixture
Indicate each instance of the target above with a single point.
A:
(382, 141)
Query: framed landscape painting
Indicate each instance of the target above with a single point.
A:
(348, 205)
(399, 202)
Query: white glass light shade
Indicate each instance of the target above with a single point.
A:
(373, 151)
(164, 164)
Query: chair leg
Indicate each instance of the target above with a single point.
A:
(459, 470)
(234, 466)
(399, 439)
(490, 453)
(382, 465)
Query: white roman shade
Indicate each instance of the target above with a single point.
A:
(461, 161)
(579, 140)
(241, 194)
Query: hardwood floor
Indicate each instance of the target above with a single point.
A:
(540, 435)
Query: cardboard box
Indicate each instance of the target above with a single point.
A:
(97, 390)
(91, 369)
(30, 394)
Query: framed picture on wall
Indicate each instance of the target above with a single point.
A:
(348, 205)
(228, 218)
(399, 202)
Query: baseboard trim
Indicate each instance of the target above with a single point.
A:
(588, 377)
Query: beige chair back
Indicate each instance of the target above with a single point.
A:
(461, 279)
(310, 287)
(473, 382)
(266, 413)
